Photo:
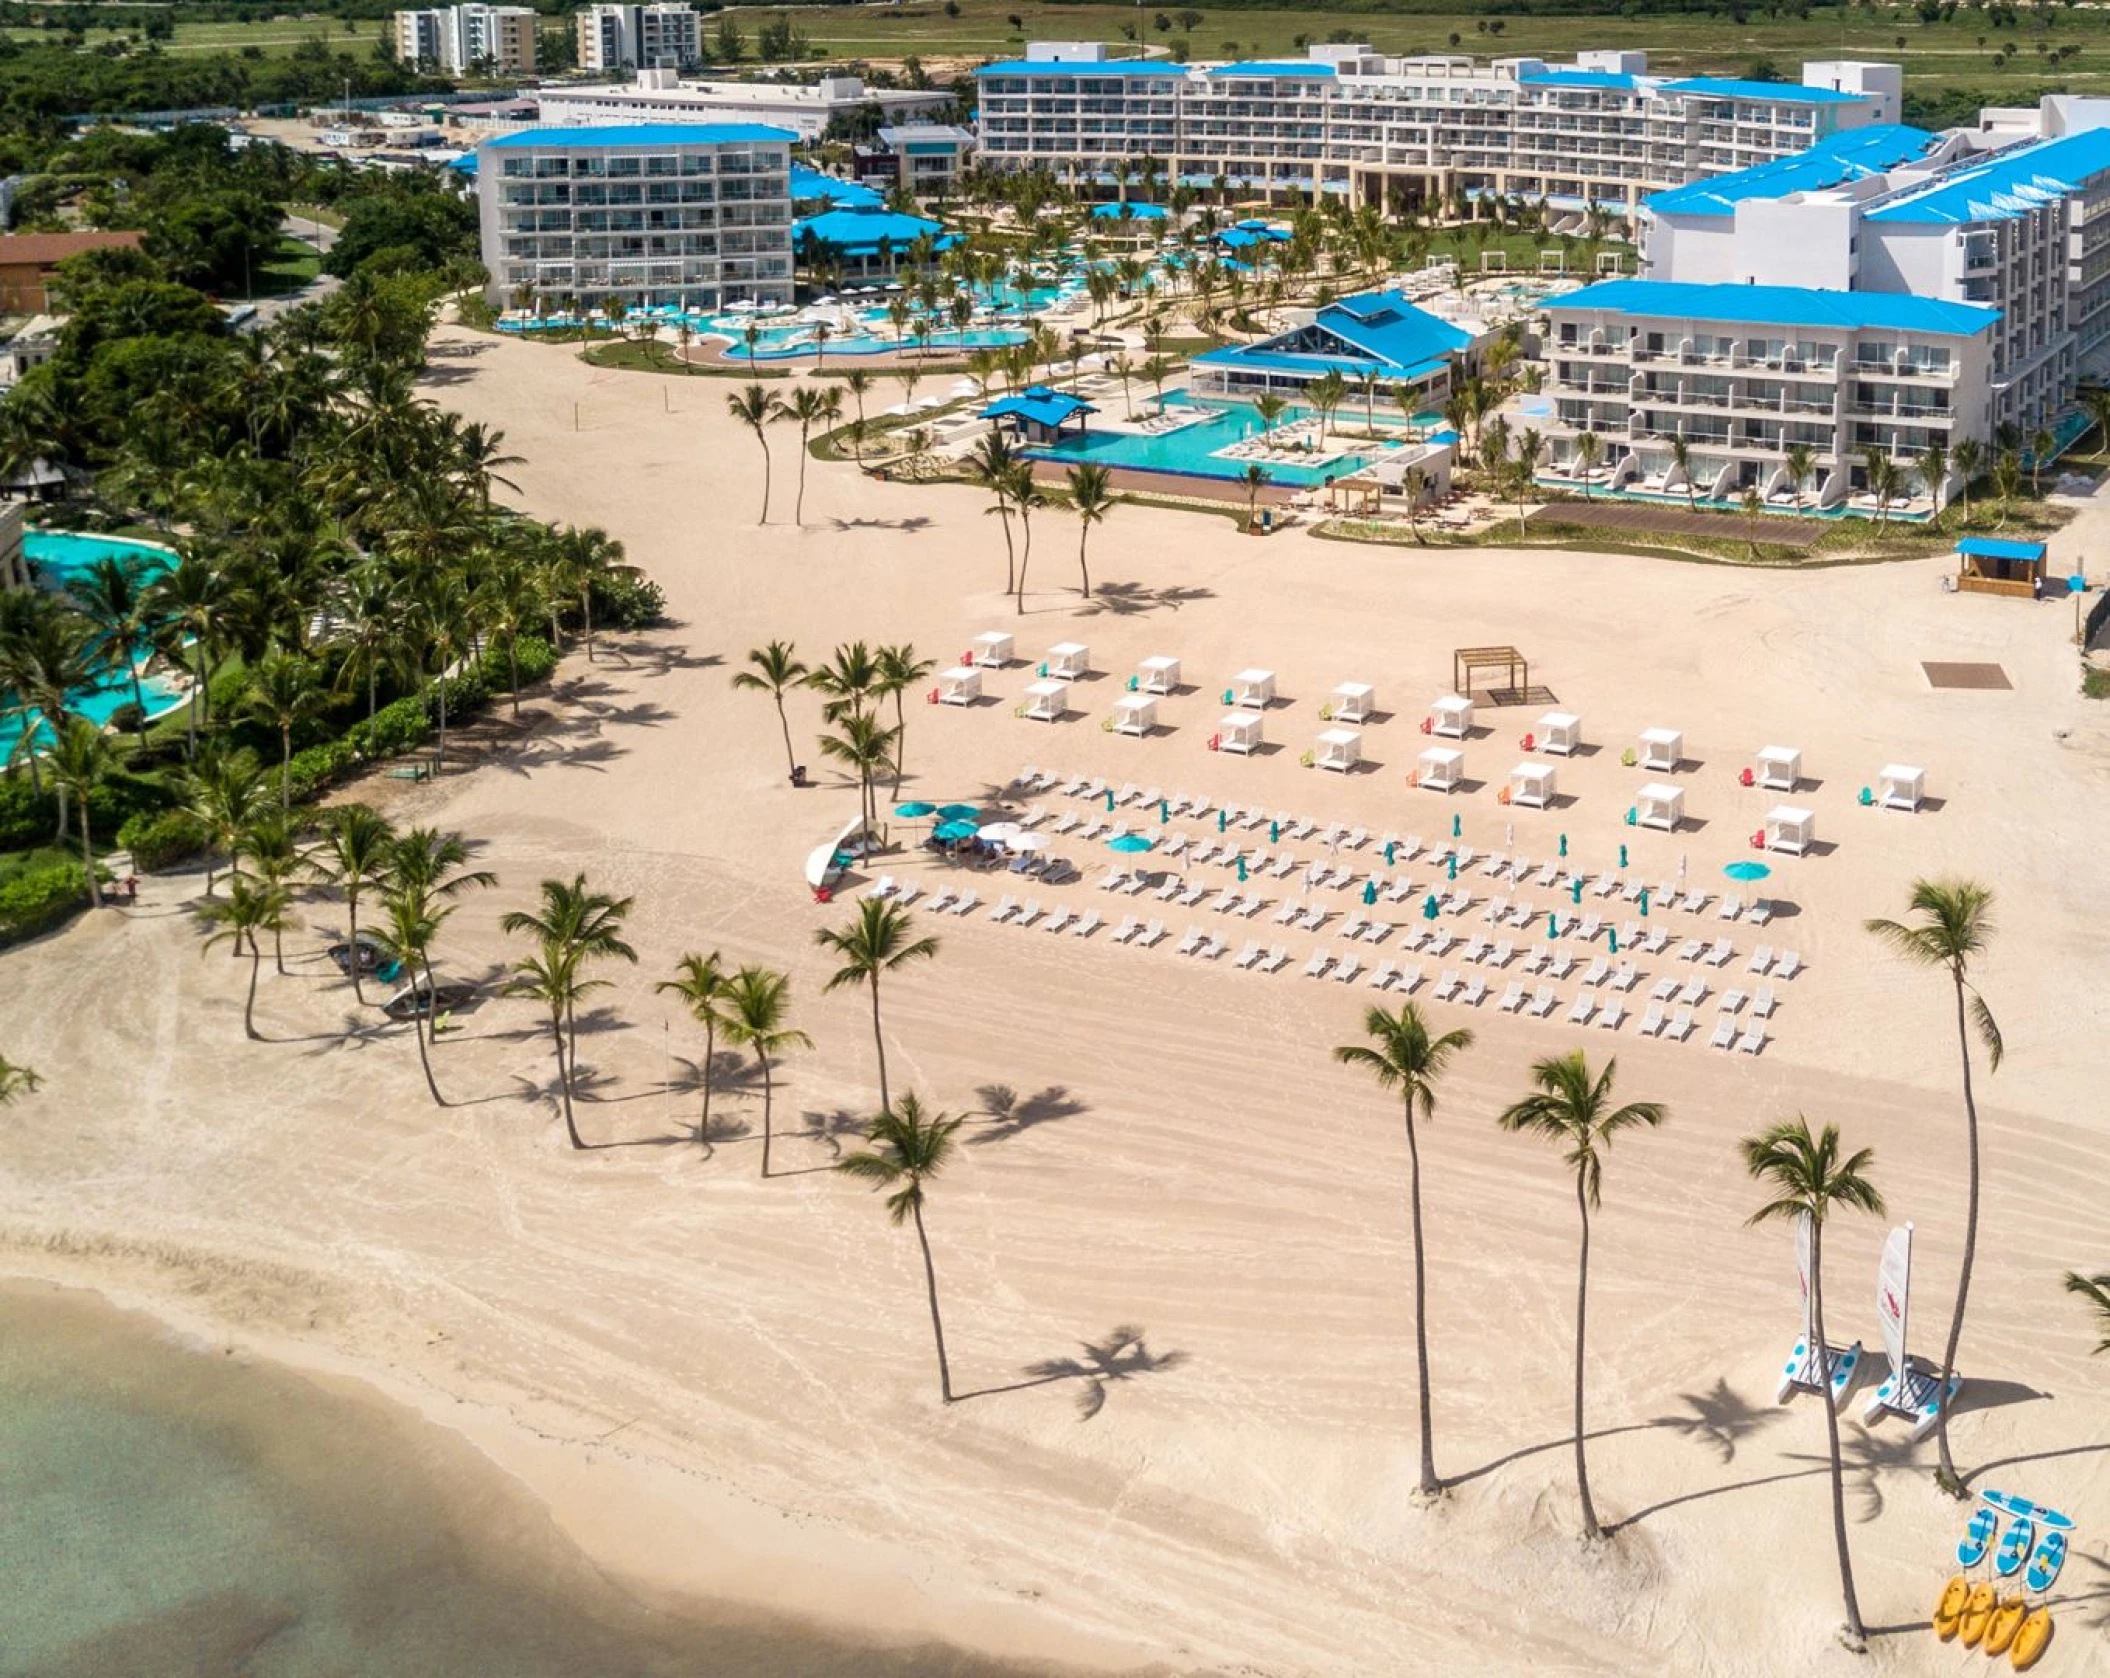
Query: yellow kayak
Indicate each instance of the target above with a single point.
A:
(1949, 1611)
(2001, 1628)
(2030, 1640)
(1977, 1611)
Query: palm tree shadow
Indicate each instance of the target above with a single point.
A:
(1120, 1355)
(1131, 599)
(828, 1129)
(1984, 1469)
(1721, 1419)
(1565, 1442)
(1010, 1115)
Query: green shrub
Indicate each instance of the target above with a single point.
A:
(224, 692)
(315, 768)
(623, 601)
(395, 728)
(38, 899)
(27, 817)
(121, 797)
(160, 840)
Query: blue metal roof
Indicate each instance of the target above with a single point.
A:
(1138, 212)
(1792, 93)
(1291, 361)
(1852, 154)
(1377, 331)
(1992, 547)
(2009, 183)
(1610, 79)
(1292, 68)
(1239, 238)
(1083, 67)
(840, 194)
(643, 134)
(858, 231)
(1039, 405)
(1780, 305)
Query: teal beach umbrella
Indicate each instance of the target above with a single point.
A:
(1129, 842)
(959, 812)
(914, 808)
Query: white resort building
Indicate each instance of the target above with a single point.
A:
(651, 37)
(659, 214)
(1348, 120)
(805, 108)
(460, 39)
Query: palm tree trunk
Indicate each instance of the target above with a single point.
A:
(1024, 559)
(1083, 568)
(351, 904)
(1831, 1432)
(513, 670)
(1582, 1304)
(900, 742)
(278, 949)
(95, 889)
(710, 1055)
(798, 505)
(1945, 1475)
(937, 1325)
(285, 768)
(586, 615)
(571, 1127)
(417, 1024)
(791, 759)
(762, 1061)
(256, 960)
(1010, 552)
(1430, 1484)
(764, 441)
(879, 1043)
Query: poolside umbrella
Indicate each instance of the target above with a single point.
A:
(1612, 936)
(1129, 842)
(1274, 835)
(1390, 846)
(1109, 798)
(1747, 871)
(1028, 842)
(1164, 811)
(1644, 903)
(914, 808)
(1454, 865)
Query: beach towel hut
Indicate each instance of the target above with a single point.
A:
(1662, 749)
(1659, 806)
(1069, 660)
(1254, 689)
(1532, 785)
(992, 648)
(1046, 702)
(1991, 565)
(1339, 748)
(1135, 713)
(1158, 675)
(1451, 716)
(1790, 830)
(1901, 787)
(961, 685)
(1239, 732)
(1441, 768)
(1779, 768)
(1354, 702)
(1559, 732)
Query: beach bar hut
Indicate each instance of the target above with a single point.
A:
(1532, 785)
(1559, 732)
(1662, 749)
(1779, 768)
(1239, 732)
(1339, 748)
(961, 685)
(1039, 413)
(1901, 787)
(1067, 661)
(1135, 713)
(1441, 768)
(1451, 716)
(1158, 675)
(1254, 689)
(992, 649)
(1659, 806)
(1045, 702)
(1991, 565)
(1354, 702)
(1790, 830)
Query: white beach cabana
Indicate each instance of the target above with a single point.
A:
(1790, 830)
(1532, 785)
(1451, 716)
(1339, 748)
(1779, 768)
(1253, 688)
(1135, 713)
(1659, 806)
(992, 648)
(1559, 732)
(1045, 702)
(1901, 787)
(1067, 661)
(1239, 732)
(1441, 768)
(961, 685)
(1354, 702)
(1158, 675)
(1662, 749)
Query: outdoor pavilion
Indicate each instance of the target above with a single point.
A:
(1440, 769)
(1135, 713)
(1779, 768)
(1790, 830)
(1533, 785)
(1659, 806)
(1338, 748)
(1038, 414)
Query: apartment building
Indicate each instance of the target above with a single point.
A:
(658, 37)
(1347, 120)
(459, 39)
(1887, 290)
(806, 108)
(687, 214)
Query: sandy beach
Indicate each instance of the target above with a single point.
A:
(1174, 1249)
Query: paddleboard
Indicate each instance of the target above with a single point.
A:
(2014, 1547)
(2045, 1562)
(1977, 1610)
(2009, 1503)
(1977, 1537)
(2030, 1640)
(2001, 1628)
(1949, 1611)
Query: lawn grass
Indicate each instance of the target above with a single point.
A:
(274, 37)
(295, 264)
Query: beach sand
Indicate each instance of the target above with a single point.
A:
(1175, 1268)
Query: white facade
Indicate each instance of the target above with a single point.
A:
(458, 39)
(639, 37)
(1347, 120)
(660, 214)
(805, 108)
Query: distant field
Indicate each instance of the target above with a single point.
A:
(274, 36)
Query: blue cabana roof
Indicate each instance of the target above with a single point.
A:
(1140, 212)
(1781, 305)
(1850, 155)
(1993, 547)
(859, 232)
(1791, 93)
(1039, 405)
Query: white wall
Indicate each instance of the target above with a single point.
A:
(1884, 83)
(1796, 242)
(1700, 250)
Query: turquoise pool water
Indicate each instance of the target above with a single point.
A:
(1192, 451)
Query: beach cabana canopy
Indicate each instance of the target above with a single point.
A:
(1239, 732)
(1901, 787)
(1662, 748)
(1532, 785)
(1132, 209)
(1135, 713)
(1790, 829)
(1253, 687)
(1158, 675)
(1779, 768)
(1068, 660)
(1440, 767)
(1659, 806)
(1991, 565)
(1354, 702)
(1046, 701)
(1339, 748)
(1559, 732)
(992, 647)
(1451, 716)
(961, 685)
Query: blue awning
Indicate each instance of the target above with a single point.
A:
(1992, 547)
(1040, 406)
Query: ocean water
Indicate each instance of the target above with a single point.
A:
(170, 1512)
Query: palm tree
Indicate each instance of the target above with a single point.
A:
(880, 940)
(900, 669)
(249, 907)
(849, 680)
(775, 670)
(410, 923)
(1967, 455)
(754, 408)
(580, 925)
(1882, 474)
(113, 595)
(225, 791)
(351, 859)
(427, 867)
(189, 602)
(909, 1149)
(2096, 1290)
(993, 465)
(1269, 408)
(755, 1005)
(1681, 458)
(17, 1081)
(504, 602)
(1589, 450)
(1256, 476)
(283, 691)
(1932, 465)
(2007, 482)
(2041, 443)
(272, 848)
(552, 976)
(865, 747)
(1810, 1180)
(806, 407)
(1801, 462)
(701, 983)
(46, 656)
(1091, 494)
(1952, 928)
(79, 761)
(857, 382)
(1025, 496)
(1572, 1108)
(1403, 1056)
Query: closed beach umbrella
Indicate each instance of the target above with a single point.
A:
(1457, 827)
(1129, 842)
(1429, 911)
(915, 808)
(1369, 893)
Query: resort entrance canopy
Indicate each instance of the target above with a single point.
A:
(1039, 414)
(1378, 332)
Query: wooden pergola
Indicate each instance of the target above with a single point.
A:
(1466, 660)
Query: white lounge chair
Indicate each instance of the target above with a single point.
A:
(1680, 1026)
(1005, 909)
(1028, 912)
(1277, 959)
(1382, 978)
(1664, 988)
(1761, 959)
(1448, 985)
(1581, 1008)
(1730, 1001)
(1543, 1001)
(1724, 1033)
(1350, 966)
(1251, 907)
(1762, 1004)
(1691, 950)
(1652, 1021)
(1732, 907)
(1502, 954)
(1353, 926)
(1759, 913)
(1089, 924)
(1316, 967)
(1694, 993)
(1059, 920)
(1626, 976)
(1128, 928)
(1790, 965)
(881, 887)
(1722, 953)
(1189, 895)
(1612, 1014)
(1409, 977)
(1590, 928)
(1475, 992)
(1211, 947)
(1596, 972)
(1752, 1040)
(967, 904)
(1151, 934)
(1512, 997)
(1313, 918)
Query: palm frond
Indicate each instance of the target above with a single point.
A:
(1988, 1030)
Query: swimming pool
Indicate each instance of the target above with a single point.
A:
(1193, 450)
